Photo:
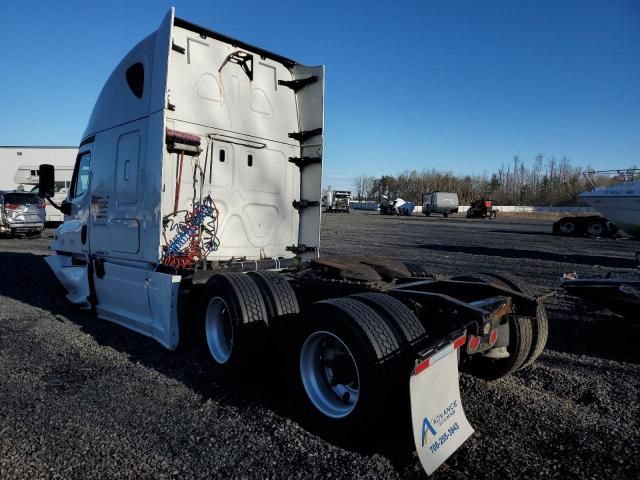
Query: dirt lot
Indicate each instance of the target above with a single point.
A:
(83, 398)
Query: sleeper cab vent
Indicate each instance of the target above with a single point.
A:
(135, 79)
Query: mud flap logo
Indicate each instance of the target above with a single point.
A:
(427, 427)
(439, 423)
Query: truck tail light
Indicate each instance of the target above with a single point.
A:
(493, 337)
(474, 343)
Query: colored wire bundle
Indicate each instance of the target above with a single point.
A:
(195, 236)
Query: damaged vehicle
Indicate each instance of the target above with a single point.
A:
(21, 213)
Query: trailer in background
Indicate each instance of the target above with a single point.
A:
(14, 158)
(586, 225)
(443, 203)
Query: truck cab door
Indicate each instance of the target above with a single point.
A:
(71, 241)
(73, 236)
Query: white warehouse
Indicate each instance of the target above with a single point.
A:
(19, 164)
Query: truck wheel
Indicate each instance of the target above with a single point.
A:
(596, 228)
(234, 318)
(567, 226)
(278, 296)
(520, 339)
(540, 327)
(346, 361)
(399, 317)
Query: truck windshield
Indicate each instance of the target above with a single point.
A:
(21, 198)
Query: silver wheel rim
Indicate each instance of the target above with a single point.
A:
(566, 227)
(595, 229)
(329, 374)
(219, 330)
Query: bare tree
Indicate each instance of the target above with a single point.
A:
(548, 181)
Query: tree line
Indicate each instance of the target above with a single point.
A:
(546, 182)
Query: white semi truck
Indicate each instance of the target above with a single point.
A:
(337, 201)
(194, 206)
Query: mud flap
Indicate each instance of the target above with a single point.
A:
(439, 423)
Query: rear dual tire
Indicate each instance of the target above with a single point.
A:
(347, 359)
(539, 326)
(594, 227)
(234, 318)
(350, 365)
(527, 336)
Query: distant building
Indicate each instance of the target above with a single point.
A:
(19, 164)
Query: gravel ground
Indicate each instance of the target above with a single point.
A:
(83, 398)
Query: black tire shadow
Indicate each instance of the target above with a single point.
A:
(599, 334)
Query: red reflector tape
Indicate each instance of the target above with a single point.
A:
(458, 342)
(443, 352)
(493, 337)
(422, 366)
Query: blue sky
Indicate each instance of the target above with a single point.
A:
(453, 85)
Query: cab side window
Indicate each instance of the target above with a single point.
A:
(80, 182)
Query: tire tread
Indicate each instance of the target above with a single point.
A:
(403, 320)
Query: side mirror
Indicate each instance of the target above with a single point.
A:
(65, 207)
(46, 181)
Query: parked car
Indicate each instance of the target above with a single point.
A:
(21, 213)
(53, 214)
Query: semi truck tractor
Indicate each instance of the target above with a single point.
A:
(337, 201)
(193, 214)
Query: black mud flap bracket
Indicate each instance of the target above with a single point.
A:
(296, 85)
(302, 162)
(298, 249)
(305, 134)
(299, 205)
(177, 48)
